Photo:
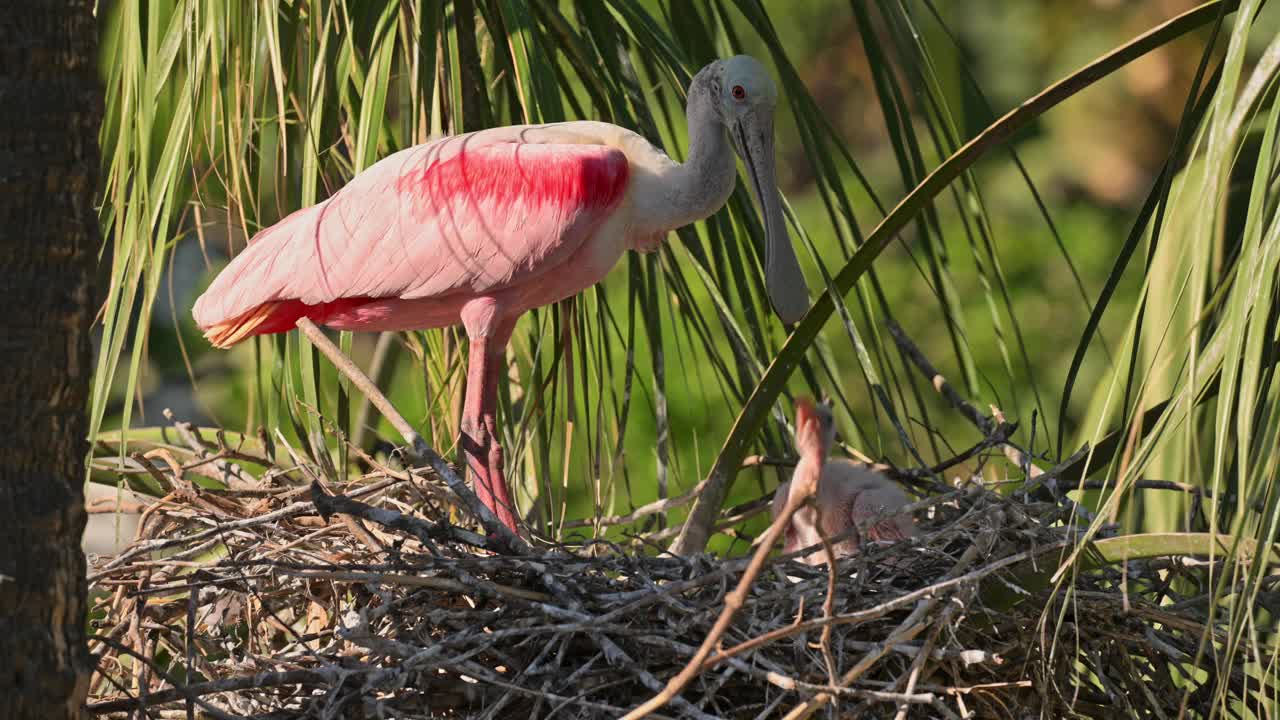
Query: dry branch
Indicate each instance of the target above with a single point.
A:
(271, 613)
(304, 620)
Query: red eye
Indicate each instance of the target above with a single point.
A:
(739, 93)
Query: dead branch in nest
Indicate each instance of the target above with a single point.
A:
(426, 532)
(291, 617)
(269, 612)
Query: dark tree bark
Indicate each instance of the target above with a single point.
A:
(50, 111)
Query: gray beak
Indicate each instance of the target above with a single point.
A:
(753, 136)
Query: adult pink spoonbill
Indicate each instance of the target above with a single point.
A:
(479, 228)
(847, 494)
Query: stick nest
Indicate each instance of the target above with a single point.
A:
(363, 600)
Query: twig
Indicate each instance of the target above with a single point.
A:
(290, 510)
(435, 583)
(938, 624)
(986, 424)
(473, 670)
(512, 542)
(353, 524)
(799, 495)
(166, 486)
(828, 605)
(1151, 485)
(944, 388)
(786, 682)
(202, 450)
(998, 436)
(426, 532)
(177, 692)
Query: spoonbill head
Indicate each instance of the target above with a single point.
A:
(745, 97)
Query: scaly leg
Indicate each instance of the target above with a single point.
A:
(489, 416)
(488, 335)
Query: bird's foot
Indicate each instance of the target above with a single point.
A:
(497, 475)
(484, 457)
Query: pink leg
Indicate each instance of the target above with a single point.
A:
(489, 416)
(488, 333)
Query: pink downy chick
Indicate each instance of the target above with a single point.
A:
(847, 494)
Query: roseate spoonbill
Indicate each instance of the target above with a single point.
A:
(479, 228)
(847, 494)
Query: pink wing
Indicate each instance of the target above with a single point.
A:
(455, 217)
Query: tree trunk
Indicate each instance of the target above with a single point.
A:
(50, 111)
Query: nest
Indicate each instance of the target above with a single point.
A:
(363, 600)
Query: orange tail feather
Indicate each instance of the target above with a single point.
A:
(229, 332)
(276, 316)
